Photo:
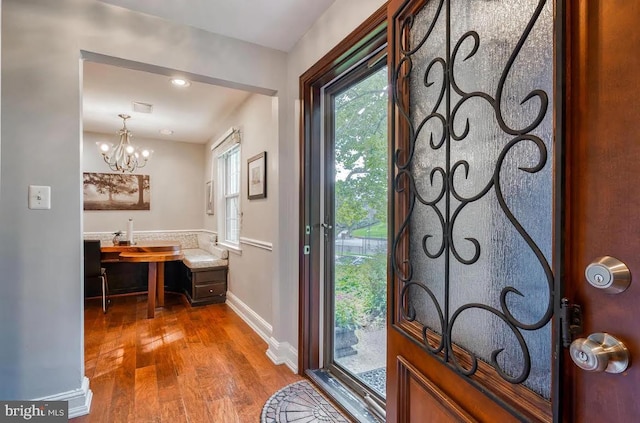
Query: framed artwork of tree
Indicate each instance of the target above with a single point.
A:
(116, 191)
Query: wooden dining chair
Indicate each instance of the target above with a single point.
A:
(93, 271)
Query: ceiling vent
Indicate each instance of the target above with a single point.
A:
(142, 107)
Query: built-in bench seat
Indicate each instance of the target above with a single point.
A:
(198, 258)
(206, 274)
(204, 266)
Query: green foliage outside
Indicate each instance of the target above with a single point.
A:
(361, 171)
(361, 152)
(361, 294)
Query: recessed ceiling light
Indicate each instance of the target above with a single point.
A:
(166, 132)
(180, 82)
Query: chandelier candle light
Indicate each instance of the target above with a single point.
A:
(124, 157)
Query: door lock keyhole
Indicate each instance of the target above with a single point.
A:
(582, 356)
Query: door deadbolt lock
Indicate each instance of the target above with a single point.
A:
(609, 274)
(600, 352)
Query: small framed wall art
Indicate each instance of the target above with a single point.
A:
(209, 196)
(257, 176)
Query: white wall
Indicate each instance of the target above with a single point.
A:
(251, 270)
(41, 298)
(177, 190)
(43, 41)
(332, 27)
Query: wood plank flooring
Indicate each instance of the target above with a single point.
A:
(200, 364)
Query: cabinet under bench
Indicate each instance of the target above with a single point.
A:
(205, 285)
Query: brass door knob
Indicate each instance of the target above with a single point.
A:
(600, 352)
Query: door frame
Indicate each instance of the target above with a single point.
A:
(517, 405)
(358, 45)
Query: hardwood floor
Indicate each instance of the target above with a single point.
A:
(200, 364)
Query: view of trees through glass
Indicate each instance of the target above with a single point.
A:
(360, 136)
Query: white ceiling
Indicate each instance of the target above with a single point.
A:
(190, 112)
(278, 24)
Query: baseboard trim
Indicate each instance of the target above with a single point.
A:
(253, 319)
(278, 352)
(79, 400)
(283, 353)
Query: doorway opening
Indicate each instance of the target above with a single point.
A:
(344, 176)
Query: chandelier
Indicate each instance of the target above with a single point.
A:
(124, 157)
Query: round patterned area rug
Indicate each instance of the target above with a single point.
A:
(300, 403)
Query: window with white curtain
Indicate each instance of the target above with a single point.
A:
(229, 206)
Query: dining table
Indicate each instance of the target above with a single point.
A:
(155, 253)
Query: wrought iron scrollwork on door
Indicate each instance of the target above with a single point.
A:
(440, 130)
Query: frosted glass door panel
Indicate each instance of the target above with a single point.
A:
(480, 166)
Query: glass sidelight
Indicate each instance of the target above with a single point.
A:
(355, 227)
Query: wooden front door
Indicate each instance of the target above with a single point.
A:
(514, 128)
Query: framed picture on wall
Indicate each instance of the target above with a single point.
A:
(209, 197)
(257, 176)
(115, 191)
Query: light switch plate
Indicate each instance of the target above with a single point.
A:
(39, 197)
